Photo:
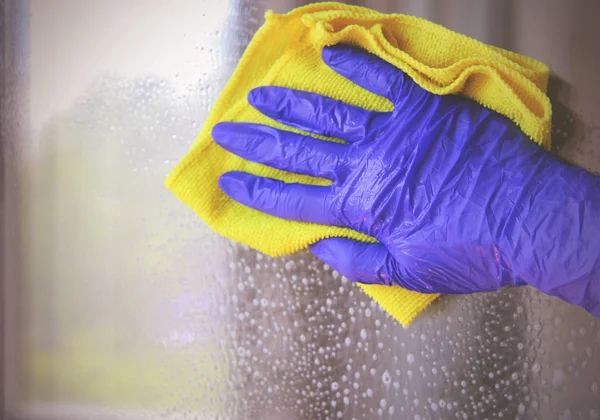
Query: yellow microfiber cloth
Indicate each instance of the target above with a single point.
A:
(286, 51)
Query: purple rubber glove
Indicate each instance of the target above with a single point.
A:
(458, 197)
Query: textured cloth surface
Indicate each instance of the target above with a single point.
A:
(286, 51)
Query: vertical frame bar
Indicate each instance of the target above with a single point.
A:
(14, 122)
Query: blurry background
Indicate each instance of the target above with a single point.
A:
(118, 303)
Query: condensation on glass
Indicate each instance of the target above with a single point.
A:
(120, 304)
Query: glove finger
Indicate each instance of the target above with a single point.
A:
(358, 261)
(305, 203)
(365, 69)
(311, 112)
(280, 149)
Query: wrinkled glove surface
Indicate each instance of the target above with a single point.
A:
(458, 197)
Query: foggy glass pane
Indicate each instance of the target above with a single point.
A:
(120, 303)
